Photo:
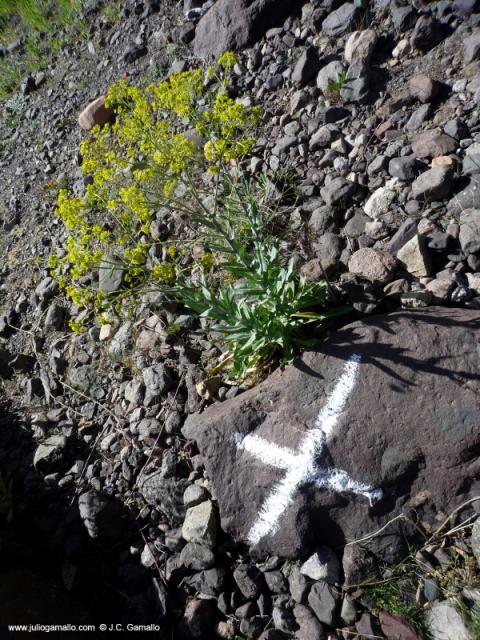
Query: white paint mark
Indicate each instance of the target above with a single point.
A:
(300, 466)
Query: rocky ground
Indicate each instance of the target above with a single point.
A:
(371, 141)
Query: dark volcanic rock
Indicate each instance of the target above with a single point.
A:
(341, 20)
(166, 494)
(307, 66)
(428, 33)
(405, 422)
(233, 24)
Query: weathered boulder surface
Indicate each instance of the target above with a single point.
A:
(392, 401)
(233, 24)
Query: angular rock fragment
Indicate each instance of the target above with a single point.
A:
(433, 143)
(360, 45)
(434, 184)
(372, 264)
(96, 113)
(470, 230)
(423, 87)
(341, 20)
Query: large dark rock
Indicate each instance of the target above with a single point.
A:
(233, 24)
(403, 419)
(341, 20)
(428, 32)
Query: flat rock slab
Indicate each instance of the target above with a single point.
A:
(381, 419)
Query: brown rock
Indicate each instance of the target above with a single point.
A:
(312, 270)
(95, 113)
(383, 127)
(415, 257)
(433, 184)
(393, 626)
(440, 289)
(433, 143)
(234, 24)
(395, 288)
(372, 264)
(423, 87)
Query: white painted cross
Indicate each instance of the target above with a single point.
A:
(300, 465)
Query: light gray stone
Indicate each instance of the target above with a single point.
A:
(434, 184)
(418, 117)
(470, 230)
(467, 198)
(475, 540)
(324, 601)
(415, 257)
(121, 341)
(201, 524)
(110, 276)
(158, 382)
(322, 565)
(474, 282)
(339, 191)
(360, 45)
(446, 623)
(379, 202)
(472, 46)
(329, 73)
(50, 453)
(341, 20)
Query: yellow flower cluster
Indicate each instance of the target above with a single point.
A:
(228, 60)
(165, 272)
(163, 139)
(179, 94)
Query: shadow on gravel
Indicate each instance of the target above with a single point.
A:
(51, 571)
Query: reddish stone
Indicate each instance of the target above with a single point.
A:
(394, 626)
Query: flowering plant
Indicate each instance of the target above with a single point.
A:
(153, 157)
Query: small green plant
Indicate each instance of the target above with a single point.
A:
(10, 77)
(13, 108)
(111, 11)
(263, 303)
(395, 593)
(173, 153)
(335, 86)
(474, 622)
(37, 23)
